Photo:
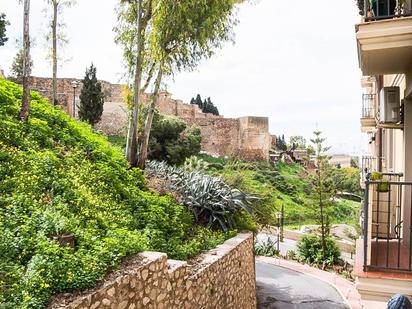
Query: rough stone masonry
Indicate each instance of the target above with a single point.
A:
(246, 138)
(224, 278)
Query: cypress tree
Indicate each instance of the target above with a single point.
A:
(205, 106)
(199, 101)
(91, 98)
(212, 108)
(3, 24)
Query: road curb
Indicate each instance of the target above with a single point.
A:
(344, 287)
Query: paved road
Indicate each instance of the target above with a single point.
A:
(282, 288)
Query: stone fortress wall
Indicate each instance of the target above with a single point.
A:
(246, 138)
(222, 278)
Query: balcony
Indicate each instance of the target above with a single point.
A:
(385, 9)
(385, 38)
(368, 120)
(369, 164)
(386, 228)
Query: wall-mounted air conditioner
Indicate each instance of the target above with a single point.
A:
(390, 104)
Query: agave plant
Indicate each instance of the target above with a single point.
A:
(210, 199)
(266, 247)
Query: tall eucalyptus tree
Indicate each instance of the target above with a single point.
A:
(182, 34)
(55, 37)
(25, 106)
(133, 18)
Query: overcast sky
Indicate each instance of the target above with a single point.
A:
(293, 61)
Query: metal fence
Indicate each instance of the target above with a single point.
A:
(384, 9)
(367, 166)
(387, 237)
(368, 105)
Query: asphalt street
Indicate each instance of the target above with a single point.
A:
(282, 288)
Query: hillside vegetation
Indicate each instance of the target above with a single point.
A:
(57, 178)
(288, 185)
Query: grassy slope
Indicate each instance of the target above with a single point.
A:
(283, 185)
(56, 177)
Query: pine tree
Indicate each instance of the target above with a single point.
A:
(91, 98)
(323, 189)
(192, 101)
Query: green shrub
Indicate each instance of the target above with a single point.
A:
(348, 180)
(266, 247)
(291, 254)
(217, 163)
(172, 141)
(310, 250)
(212, 202)
(56, 177)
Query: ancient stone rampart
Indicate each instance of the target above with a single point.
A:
(223, 278)
(246, 138)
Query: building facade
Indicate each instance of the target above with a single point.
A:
(383, 264)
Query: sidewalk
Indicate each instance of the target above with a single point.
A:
(344, 287)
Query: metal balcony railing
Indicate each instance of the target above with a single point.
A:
(384, 9)
(387, 239)
(368, 105)
(367, 166)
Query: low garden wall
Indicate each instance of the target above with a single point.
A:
(221, 278)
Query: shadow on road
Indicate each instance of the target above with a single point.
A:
(282, 288)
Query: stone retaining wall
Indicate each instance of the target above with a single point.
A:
(223, 278)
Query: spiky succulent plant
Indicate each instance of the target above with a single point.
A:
(210, 199)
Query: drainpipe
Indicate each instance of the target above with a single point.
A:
(380, 149)
(380, 132)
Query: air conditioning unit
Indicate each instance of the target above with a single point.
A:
(390, 105)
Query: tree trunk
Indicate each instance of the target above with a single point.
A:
(149, 120)
(322, 217)
(25, 107)
(323, 232)
(54, 51)
(131, 151)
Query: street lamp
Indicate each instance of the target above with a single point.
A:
(278, 215)
(75, 84)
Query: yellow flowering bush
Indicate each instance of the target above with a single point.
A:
(58, 177)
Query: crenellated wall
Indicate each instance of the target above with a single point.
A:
(222, 278)
(247, 137)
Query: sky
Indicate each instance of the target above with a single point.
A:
(292, 61)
